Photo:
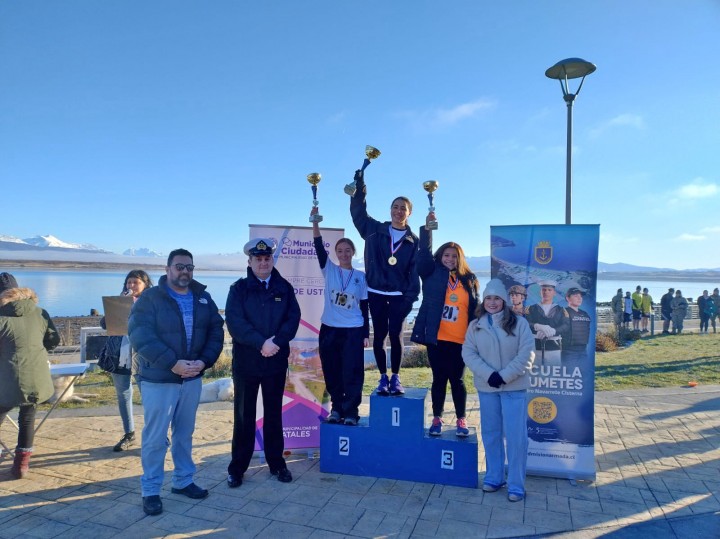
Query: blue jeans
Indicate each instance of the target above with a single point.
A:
(504, 415)
(174, 406)
(124, 391)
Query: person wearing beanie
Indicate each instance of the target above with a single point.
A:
(666, 310)
(7, 281)
(499, 350)
(26, 335)
(450, 296)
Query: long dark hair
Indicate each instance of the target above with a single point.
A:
(137, 274)
(509, 319)
(465, 275)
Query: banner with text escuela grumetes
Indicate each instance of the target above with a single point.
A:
(557, 266)
(306, 402)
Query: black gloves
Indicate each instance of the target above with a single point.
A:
(495, 380)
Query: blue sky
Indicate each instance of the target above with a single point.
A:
(162, 124)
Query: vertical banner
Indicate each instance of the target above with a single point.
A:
(306, 402)
(556, 266)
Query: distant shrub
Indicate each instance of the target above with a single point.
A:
(415, 357)
(606, 342)
(223, 366)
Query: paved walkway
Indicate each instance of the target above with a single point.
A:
(657, 460)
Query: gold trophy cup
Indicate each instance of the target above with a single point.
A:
(314, 179)
(431, 186)
(370, 154)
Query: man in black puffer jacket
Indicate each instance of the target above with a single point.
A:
(177, 332)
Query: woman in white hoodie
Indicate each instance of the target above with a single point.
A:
(499, 350)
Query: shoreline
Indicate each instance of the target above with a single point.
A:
(675, 275)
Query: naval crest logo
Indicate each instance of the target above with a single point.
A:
(543, 252)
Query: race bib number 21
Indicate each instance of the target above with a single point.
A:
(450, 313)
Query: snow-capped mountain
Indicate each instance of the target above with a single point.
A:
(10, 239)
(52, 241)
(141, 251)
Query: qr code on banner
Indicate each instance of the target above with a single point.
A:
(542, 411)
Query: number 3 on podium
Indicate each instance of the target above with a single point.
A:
(447, 459)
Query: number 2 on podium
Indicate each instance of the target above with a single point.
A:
(344, 446)
(396, 417)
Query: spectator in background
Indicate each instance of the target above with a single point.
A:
(118, 358)
(26, 335)
(637, 308)
(666, 310)
(627, 313)
(618, 308)
(715, 298)
(646, 307)
(702, 303)
(679, 310)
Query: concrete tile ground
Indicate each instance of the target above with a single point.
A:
(657, 460)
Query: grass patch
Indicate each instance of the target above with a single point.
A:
(649, 362)
(660, 361)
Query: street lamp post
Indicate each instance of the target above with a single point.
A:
(564, 70)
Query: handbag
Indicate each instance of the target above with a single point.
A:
(109, 356)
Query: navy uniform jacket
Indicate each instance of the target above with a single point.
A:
(556, 319)
(253, 315)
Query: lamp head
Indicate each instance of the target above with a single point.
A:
(570, 68)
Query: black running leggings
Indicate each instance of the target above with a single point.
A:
(388, 317)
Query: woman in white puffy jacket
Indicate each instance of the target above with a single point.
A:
(499, 350)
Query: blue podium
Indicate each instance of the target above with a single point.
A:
(394, 443)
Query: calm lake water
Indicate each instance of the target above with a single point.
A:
(75, 292)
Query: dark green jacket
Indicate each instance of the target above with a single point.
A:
(26, 333)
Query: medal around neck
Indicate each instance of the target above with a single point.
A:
(370, 154)
(431, 186)
(392, 260)
(314, 179)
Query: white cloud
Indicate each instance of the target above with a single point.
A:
(336, 118)
(710, 230)
(613, 239)
(460, 112)
(688, 195)
(622, 120)
(632, 120)
(451, 116)
(690, 237)
(697, 189)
